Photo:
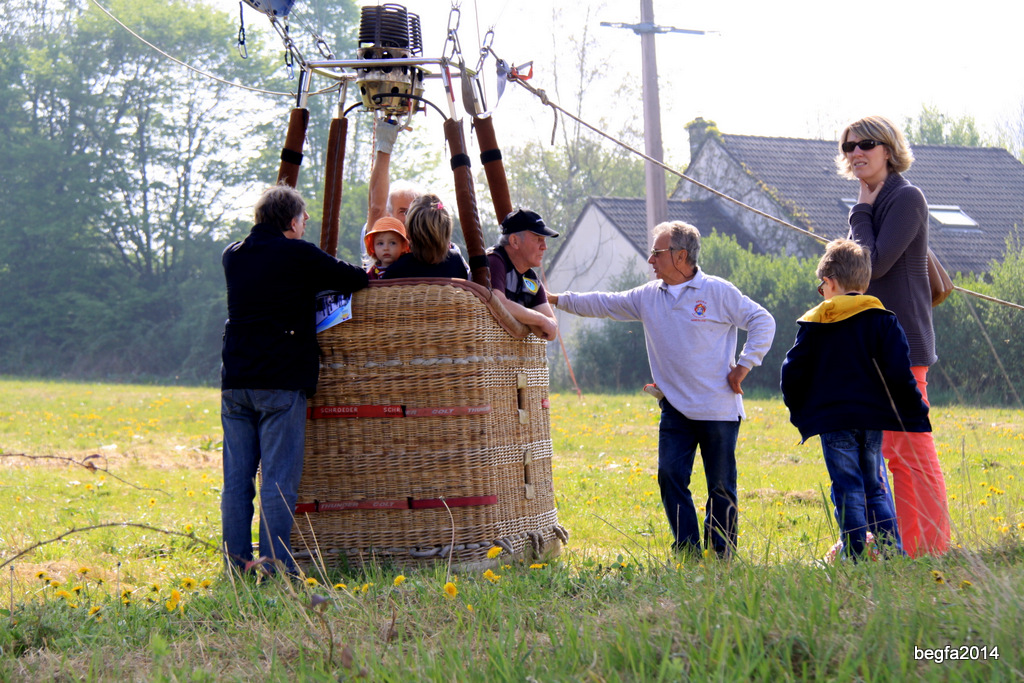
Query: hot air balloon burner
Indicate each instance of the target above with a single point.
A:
(388, 32)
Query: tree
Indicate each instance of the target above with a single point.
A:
(932, 127)
(122, 168)
(1010, 133)
(556, 181)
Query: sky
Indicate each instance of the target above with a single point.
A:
(793, 68)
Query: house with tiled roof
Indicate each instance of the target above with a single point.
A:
(975, 196)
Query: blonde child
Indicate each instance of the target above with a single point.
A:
(847, 378)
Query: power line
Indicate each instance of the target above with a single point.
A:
(189, 66)
(543, 96)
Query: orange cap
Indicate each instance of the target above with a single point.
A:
(386, 224)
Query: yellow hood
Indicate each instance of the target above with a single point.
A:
(840, 308)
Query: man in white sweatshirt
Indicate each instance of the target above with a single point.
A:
(691, 321)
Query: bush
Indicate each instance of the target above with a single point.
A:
(613, 357)
(978, 343)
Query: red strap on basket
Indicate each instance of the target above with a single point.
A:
(324, 412)
(354, 411)
(366, 504)
(468, 501)
(401, 504)
(447, 412)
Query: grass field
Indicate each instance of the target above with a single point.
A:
(147, 600)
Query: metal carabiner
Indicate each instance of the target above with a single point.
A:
(485, 49)
(289, 63)
(323, 47)
(243, 51)
(457, 14)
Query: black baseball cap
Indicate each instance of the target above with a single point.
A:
(522, 219)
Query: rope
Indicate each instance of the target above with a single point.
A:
(194, 69)
(824, 240)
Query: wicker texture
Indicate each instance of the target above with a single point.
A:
(428, 346)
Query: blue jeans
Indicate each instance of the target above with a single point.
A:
(263, 429)
(863, 503)
(678, 439)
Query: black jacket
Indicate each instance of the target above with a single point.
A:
(270, 335)
(830, 381)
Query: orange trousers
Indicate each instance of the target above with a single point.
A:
(919, 488)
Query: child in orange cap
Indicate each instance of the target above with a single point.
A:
(385, 242)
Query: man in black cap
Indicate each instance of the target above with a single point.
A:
(520, 249)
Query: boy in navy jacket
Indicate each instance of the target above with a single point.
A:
(847, 378)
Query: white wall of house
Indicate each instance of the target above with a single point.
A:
(595, 254)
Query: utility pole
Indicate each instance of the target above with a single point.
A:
(657, 194)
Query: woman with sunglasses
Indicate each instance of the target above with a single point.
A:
(890, 219)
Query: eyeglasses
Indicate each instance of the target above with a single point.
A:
(655, 252)
(821, 287)
(866, 145)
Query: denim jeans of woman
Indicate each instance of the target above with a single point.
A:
(263, 430)
(678, 440)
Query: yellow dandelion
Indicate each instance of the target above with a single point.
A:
(1004, 529)
(205, 583)
(399, 580)
(493, 552)
(126, 592)
(340, 586)
(42, 575)
(190, 493)
(125, 601)
(982, 502)
(83, 571)
(491, 576)
(469, 607)
(155, 588)
(965, 584)
(310, 581)
(937, 575)
(89, 487)
(188, 583)
(76, 589)
(188, 528)
(63, 595)
(93, 610)
(172, 603)
(538, 565)
(152, 502)
(450, 590)
(54, 583)
(365, 587)
(73, 605)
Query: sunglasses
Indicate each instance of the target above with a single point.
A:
(655, 252)
(866, 145)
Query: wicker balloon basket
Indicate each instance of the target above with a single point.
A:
(429, 435)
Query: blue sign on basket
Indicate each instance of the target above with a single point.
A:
(332, 308)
